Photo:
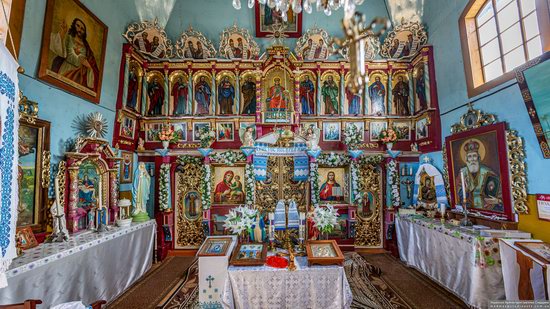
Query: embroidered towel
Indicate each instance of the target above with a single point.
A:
(9, 126)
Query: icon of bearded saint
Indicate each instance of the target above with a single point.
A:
(74, 58)
(481, 182)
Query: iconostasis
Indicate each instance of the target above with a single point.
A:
(191, 85)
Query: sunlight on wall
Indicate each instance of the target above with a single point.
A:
(151, 9)
(410, 10)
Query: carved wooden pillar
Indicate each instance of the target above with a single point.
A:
(113, 194)
(297, 108)
(126, 73)
(258, 96)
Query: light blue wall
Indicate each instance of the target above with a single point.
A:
(505, 101)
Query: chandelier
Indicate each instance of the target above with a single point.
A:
(327, 6)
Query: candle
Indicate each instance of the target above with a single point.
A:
(403, 171)
(410, 171)
(463, 186)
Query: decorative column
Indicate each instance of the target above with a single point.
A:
(319, 98)
(389, 92)
(126, 73)
(427, 80)
(297, 107)
(144, 110)
(190, 95)
(214, 97)
(314, 176)
(342, 92)
(72, 216)
(259, 102)
(113, 195)
(237, 93)
(412, 93)
(166, 91)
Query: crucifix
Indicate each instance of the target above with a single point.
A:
(408, 183)
(210, 279)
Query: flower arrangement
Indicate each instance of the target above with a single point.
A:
(393, 175)
(354, 173)
(228, 157)
(164, 187)
(352, 136)
(206, 137)
(388, 136)
(167, 134)
(240, 219)
(325, 218)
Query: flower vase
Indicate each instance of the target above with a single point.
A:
(243, 237)
(389, 146)
(165, 144)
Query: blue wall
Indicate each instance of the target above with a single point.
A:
(505, 101)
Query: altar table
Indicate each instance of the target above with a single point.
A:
(539, 274)
(89, 267)
(250, 287)
(468, 265)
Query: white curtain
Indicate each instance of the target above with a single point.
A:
(9, 126)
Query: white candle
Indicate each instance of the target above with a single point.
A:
(463, 186)
(411, 171)
(403, 171)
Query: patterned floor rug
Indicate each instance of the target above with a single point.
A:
(369, 290)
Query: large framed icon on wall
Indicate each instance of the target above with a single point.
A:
(73, 49)
(267, 17)
(533, 79)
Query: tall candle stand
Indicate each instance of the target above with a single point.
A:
(465, 221)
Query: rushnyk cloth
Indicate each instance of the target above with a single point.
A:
(9, 127)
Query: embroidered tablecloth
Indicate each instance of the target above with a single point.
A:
(89, 267)
(467, 264)
(306, 287)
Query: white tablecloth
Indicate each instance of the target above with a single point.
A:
(306, 287)
(511, 271)
(451, 261)
(91, 266)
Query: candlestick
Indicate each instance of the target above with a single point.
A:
(463, 185)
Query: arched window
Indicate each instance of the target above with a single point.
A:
(499, 35)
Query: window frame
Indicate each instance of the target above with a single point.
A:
(471, 51)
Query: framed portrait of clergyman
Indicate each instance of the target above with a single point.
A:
(73, 49)
(479, 170)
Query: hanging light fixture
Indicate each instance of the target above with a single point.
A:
(297, 6)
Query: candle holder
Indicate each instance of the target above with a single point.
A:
(465, 221)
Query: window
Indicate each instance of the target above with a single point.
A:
(498, 36)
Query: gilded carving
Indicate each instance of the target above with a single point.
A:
(45, 177)
(368, 231)
(516, 158)
(472, 119)
(189, 232)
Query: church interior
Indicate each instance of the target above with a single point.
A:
(274, 154)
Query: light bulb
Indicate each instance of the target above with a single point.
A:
(251, 3)
(237, 4)
(297, 6)
(307, 7)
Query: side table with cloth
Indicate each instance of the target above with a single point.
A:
(250, 287)
(468, 265)
(539, 274)
(90, 266)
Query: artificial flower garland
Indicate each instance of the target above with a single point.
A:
(249, 184)
(164, 187)
(333, 160)
(206, 182)
(314, 183)
(393, 175)
(228, 157)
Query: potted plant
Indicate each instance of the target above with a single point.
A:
(206, 137)
(388, 137)
(325, 219)
(167, 136)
